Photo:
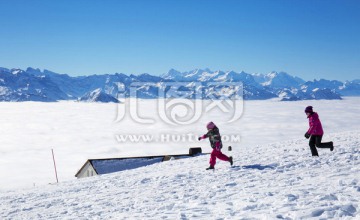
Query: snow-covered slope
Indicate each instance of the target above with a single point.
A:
(274, 181)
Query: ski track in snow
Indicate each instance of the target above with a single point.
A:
(274, 181)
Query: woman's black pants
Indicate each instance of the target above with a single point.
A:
(315, 140)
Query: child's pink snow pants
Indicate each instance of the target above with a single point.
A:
(217, 154)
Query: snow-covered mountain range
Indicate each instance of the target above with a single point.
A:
(46, 86)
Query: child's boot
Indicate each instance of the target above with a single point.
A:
(210, 168)
(231, 161)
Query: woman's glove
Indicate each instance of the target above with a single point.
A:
(307, 135)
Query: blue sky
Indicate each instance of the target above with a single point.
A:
(309, 39)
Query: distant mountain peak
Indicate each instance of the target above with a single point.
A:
(30, 69)
(98, 95)
(16, 71)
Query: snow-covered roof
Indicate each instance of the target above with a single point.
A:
(110, 165)
(115, 165)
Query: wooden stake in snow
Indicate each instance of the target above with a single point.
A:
(55, 166)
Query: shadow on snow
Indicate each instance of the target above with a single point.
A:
(256, 167)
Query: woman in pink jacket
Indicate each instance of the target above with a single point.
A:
(315, 132)
(215, 141)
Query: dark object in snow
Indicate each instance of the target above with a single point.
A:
(195, 150)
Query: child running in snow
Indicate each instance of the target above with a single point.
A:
(215, 142)
(315, 132)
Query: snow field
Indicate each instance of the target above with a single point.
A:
(279, 180)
